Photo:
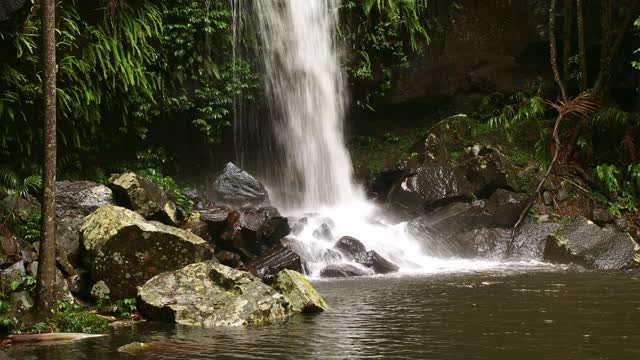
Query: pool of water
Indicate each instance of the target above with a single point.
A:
(492, 314)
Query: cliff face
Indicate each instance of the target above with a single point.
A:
(477, 47)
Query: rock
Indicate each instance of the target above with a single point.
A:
(32, 269)
(342, 270)
(216, 218)
(273, 230)
(199, 228)
(547, 198)
(241, 232)
(209, 294)
(274, 260)
(100, 290)
(238, 188)
(14, 8)
(78, 283)
(9, 250)
(602, 216)
(21, 302)
(299, 226)
(20, 205)
(377, 263)
(486, 169)
(230, 259)
(586, 244)
(81, 198)
(15, 272)
(68, 238)
(135, 348)
(505, 207)
(350, 246)
(298, 291)
(124, 250)
(144, 197)
(323, 232)
(29, 255)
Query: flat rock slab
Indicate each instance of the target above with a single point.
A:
(209, 294)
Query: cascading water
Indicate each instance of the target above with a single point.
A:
(306, 99)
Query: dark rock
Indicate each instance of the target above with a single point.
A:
(238, 188)
(14, 8)
(274, 260)
(19, 205)
(29, 255)
(505, 207)
(350, 246)
(373, 260)
(602, 216)
(330, 256)
(586, 244)
(81, 198)
(230, 259)
(342, 270)
(241, 232)
(216, 218)
(9, 251)
(486, 169)
(323, 232)
(209, 294)
(124, 250)
(273, 230)
(269, 212)
(78, 283)
(198, 228)
(144, 197)
(13, 273)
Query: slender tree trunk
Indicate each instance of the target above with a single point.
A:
(566, 46)
(45, 295)
(608, 51)
(553, 47)
(584, 79)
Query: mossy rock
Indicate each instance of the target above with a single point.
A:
(124, 250)
(209, 294)
(298, 290)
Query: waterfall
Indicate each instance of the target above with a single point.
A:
(299, 147)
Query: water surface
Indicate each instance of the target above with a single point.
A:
(505, 314)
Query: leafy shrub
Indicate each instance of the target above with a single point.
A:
(623, 188)
(80, 322)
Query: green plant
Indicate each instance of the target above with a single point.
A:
(519, 110)
(382, 34)
(624, 189)
(77, 321)
(26, 283)
(169, 185)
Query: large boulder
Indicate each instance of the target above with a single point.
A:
(274, 260)
(350, 246)
(14, 11)
(238, 188)
(215, 217)
(298, 291)
(209, 294)
(144, 197)
(584, 243)
(81, 198)
(274, 228)
(376, 262)
(124, 250)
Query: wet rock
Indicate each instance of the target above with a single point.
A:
(330, 256)
(135, 348)
(299, 226)
(199, 228)
(505, 207)
(486, 169)
(238, 188)
(124, 250)
(241, 232)
(144, 197)
(209, 294)
(298, 291)
(230, 259)
(273, 230)
(377, 263)
(216, 218)
(350, 246)
(323, 232)
(586, 244)
(81, 198)
(342, 270)
(274, 260)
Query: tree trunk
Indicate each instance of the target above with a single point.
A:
(553, 47)
(568, 31)
(45, 295)
(584, 80)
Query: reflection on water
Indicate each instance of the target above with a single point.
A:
(539, 315)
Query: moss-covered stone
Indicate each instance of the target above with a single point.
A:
(209, 294)
(298, 290)
(124, 250)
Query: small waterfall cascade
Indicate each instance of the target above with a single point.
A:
(307, 159)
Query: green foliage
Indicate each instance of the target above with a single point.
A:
(623, 187)
(26, 283)
(12, 184)
(77, 321)
(382, 35)
(518, 109)
(169, 185)
(635, 63)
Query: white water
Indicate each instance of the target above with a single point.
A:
(306, 91)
